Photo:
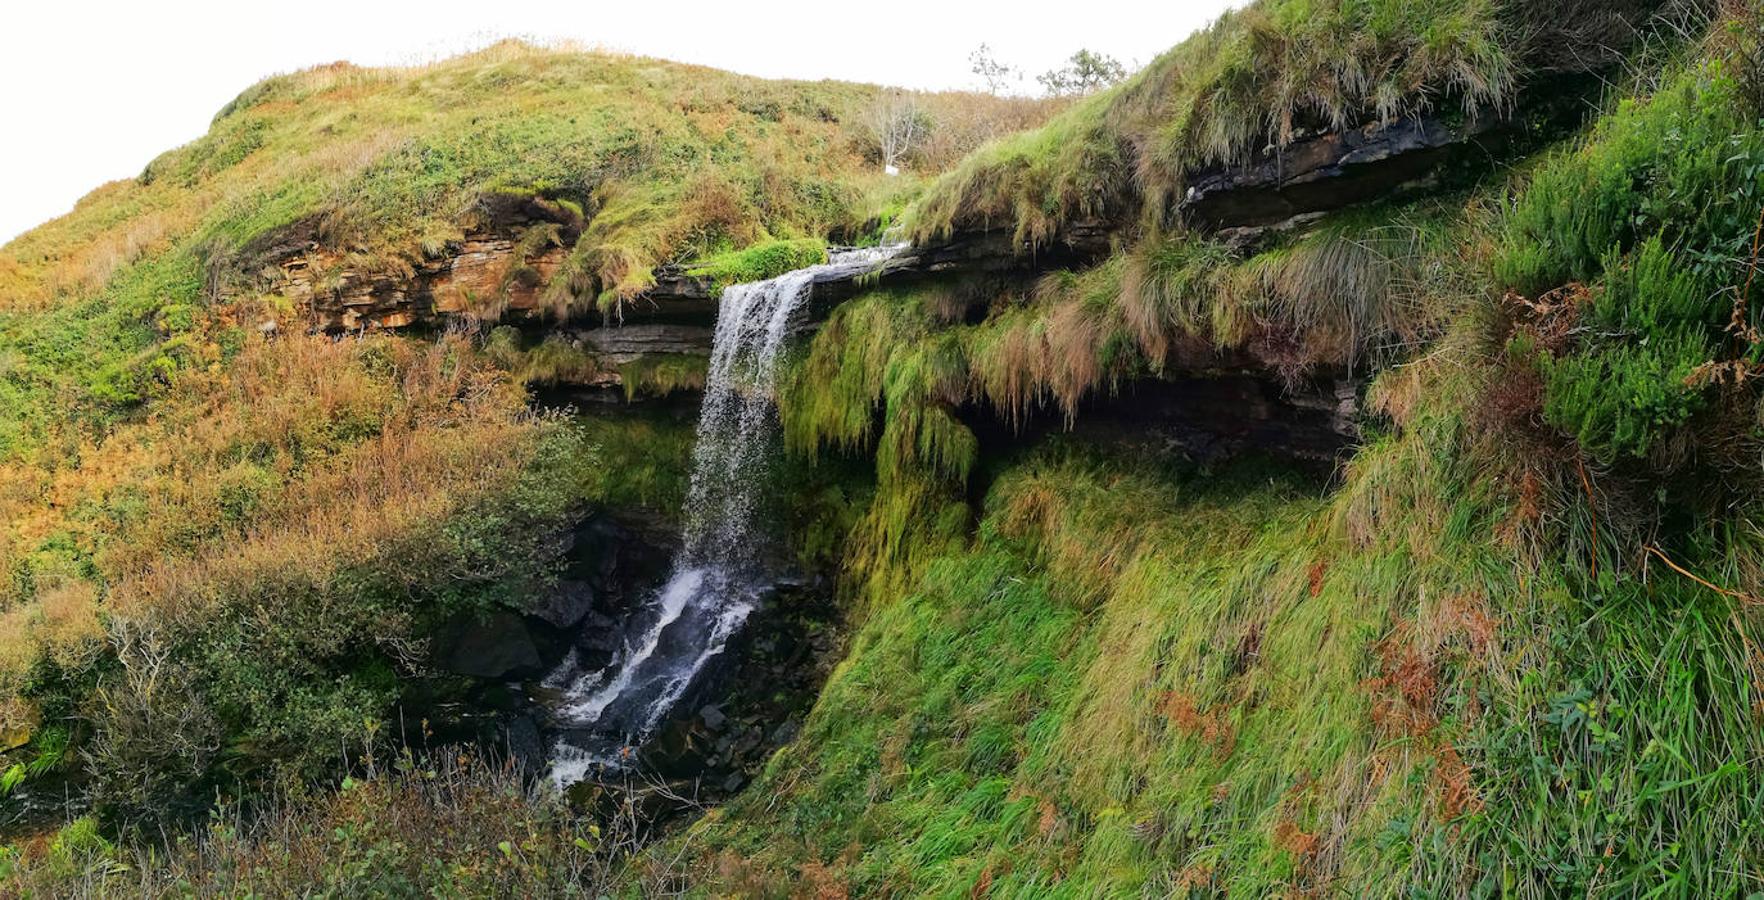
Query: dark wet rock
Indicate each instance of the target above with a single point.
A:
(747, 742)
(1205, 416)
(713, 718)
(678, 751)
(599, 637)
(1332, 170)
(496, 646)
(786, 732)
(727, 727)
(566, 604)
(524, 744)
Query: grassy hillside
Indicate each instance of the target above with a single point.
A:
(1506, 649)
(1268, 75)
(224, 540)
(1511, 652)
(661, 162)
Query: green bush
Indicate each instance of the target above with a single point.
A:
(1656, 211)
(1653, 319)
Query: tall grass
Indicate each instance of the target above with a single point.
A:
(448, 824)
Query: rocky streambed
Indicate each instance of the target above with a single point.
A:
(488, 673)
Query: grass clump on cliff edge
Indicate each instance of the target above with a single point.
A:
(759, 262)
(1261, 78)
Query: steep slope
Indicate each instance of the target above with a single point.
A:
(1509, 652)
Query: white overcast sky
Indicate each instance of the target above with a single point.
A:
(92, 91)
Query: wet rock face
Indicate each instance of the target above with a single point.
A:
(754, 702)
(494, 646)
(609, 565)
(1330, 171)
(748, 701)
(630, 343)
(1204, 418)
(1209, 420)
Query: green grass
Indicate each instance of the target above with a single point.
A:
(1135, 681)
(1494, 660)
(759, 262)
(1059, 708)
(1262, 77)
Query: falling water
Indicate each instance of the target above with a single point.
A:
(717, 579)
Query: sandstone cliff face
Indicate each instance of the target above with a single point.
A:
(499, 274)
(483, 276)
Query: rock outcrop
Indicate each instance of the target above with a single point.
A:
(621, 344)
(481, 275)
(1229, 401)
(1332, 170)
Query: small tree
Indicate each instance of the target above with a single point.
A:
(996, 75)
(897, 124)
(1085, 73)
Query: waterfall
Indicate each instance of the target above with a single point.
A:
(718, 578)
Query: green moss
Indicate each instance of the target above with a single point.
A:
(661, 374)
(759, 262)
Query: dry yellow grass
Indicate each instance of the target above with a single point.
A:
(305, 455)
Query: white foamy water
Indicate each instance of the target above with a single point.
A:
(717, 579)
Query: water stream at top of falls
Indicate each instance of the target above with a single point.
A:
(717, 578)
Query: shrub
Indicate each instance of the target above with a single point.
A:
(1657, 210)
(444, 824)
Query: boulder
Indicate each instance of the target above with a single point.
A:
(565, 605)
(496, 646)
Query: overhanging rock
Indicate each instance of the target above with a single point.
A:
(1333, 170)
